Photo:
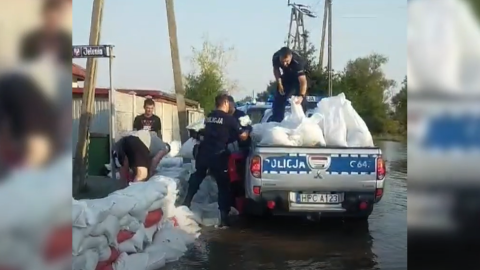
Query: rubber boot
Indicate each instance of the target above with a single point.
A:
(224, 221)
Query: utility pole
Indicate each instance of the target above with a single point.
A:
(177, 71)
(324, 32)
(81, 154)
(297, 36)
(330, 70)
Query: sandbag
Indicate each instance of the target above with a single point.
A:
(86, 261)
(245, 121)
(130, 262)
(174, 149)
(333, 125)
(109, 228)
(358, 134)
(156, 259)
(186, 151)
(197, 125)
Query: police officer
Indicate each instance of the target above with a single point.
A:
(141, 152)
(213, 154)
(237, 114)
(291, 81)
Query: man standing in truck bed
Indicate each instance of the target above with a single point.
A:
(291, 81)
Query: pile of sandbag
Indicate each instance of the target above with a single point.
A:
(35, 225)
(334, 123)
(138, 227)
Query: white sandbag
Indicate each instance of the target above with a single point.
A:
(130, 262)
(149, 233)
(90, 212)
(138, 238)
(198, 125)
(90, 242)
(133, 226)
(358, 134)
(86, 261)
(108, 167)
(116, 207)
(171, 254)
(156, 205)
(259, 129)
(186, 151)
(309, 134)
(127, 246)
(156, 259)
(182, 213)
(245, 121)
(296, 117)
(170, 162)
(174, 148)
(78, 235)
(187, 220)
(333, 126)
(174, 237)
(104, 253)
(277, 136)
(109, 228)
(126, 220)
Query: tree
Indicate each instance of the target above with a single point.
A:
(399, 103)
(367, 87)
(209, 76)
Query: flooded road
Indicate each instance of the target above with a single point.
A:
(292, 243)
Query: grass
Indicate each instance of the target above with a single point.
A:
(390, 137)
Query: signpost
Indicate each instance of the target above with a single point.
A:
(102, 51)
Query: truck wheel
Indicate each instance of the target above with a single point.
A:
(360, 217)
(253, 209)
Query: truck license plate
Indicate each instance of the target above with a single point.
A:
(318, 198)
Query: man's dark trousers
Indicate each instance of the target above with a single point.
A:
(217, 166)
(280, 101)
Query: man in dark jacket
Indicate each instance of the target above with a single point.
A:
(289, 72)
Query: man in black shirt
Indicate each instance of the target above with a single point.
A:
(213, 154)
(291, 81)
(237, 114)
(148, 120)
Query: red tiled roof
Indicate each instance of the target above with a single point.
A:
(155, 94)
(78, 71)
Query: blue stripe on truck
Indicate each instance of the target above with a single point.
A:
(339, 164)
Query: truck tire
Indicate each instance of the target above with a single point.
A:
(360, 217)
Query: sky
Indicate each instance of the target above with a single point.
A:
(255, 29)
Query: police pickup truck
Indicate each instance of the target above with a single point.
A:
(312, 181)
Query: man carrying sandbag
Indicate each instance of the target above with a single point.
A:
(140, 151)
(289, 72)
(213, 154)
(237, 114)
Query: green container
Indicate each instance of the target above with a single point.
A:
(98, 153)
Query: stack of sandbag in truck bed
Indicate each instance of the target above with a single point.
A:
(334, 123)
(138, 227)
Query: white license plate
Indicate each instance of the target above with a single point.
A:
(318, 198)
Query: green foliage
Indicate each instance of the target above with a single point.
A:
(399, 103)
(208, 77)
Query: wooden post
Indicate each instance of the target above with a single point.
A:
(324, 32)
(177, 71)
(81, 154)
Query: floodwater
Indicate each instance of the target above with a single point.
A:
(295, 243)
